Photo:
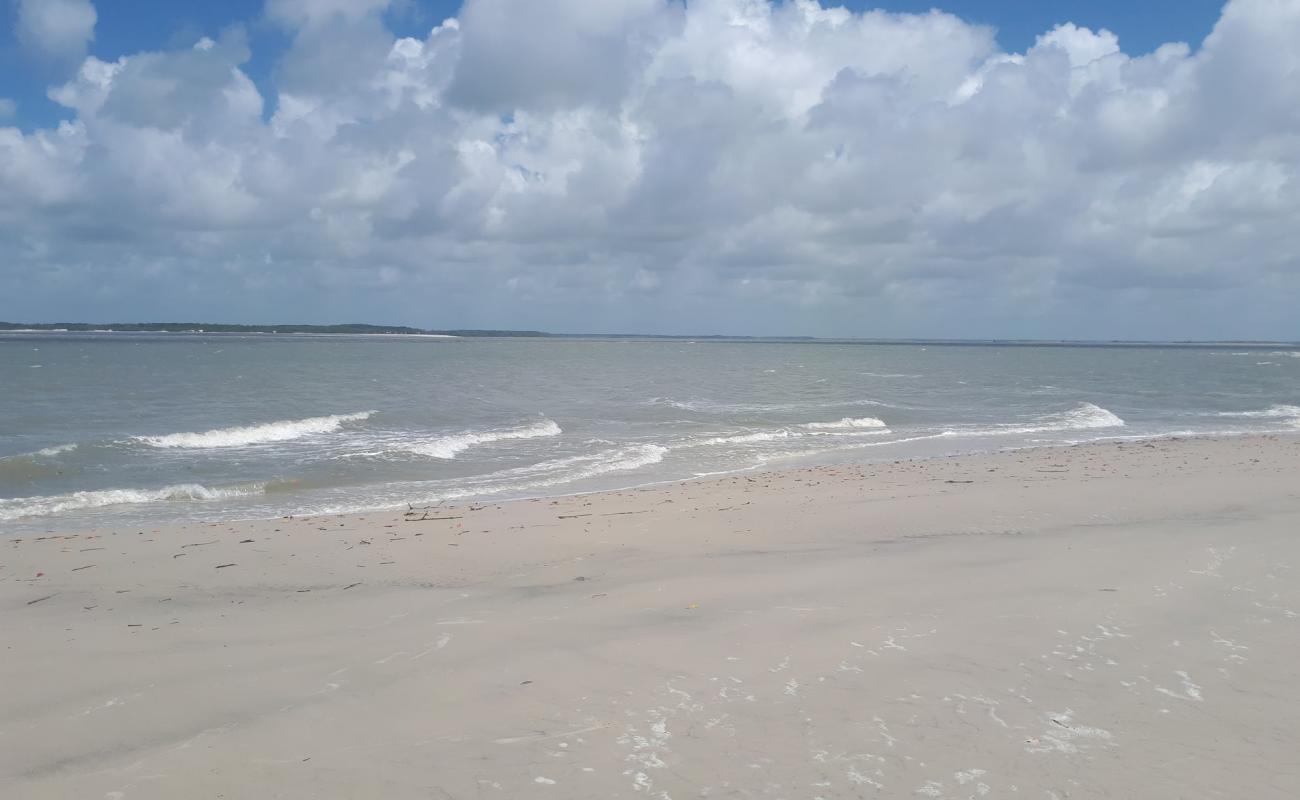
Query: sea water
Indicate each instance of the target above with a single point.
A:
(116, 429)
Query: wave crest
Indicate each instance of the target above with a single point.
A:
(447, 447)
(20, 507)
(55, 450)
(281, 431)
(848, 423)
(1085, 416)
(1280, 411)
(1088, 415)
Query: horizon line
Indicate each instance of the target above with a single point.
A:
(358, 328)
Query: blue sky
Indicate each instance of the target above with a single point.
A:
(131, 26)
(1092, 170)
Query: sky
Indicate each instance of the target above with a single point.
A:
(1008, 169)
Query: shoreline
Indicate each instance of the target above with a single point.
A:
(31, 527)
(1088, 620)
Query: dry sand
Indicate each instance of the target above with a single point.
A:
(1112, 620)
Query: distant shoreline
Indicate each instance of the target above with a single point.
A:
(357, 329)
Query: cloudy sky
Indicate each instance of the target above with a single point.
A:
(1005, 169)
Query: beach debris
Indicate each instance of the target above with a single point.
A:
(40, 599)
(351, 585)
(88, 566)
(199, 544)
(245, 541)
(223, 566)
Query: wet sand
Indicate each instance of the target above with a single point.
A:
(1107, 620)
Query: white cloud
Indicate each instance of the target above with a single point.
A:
(56, 29)
(315, 12)
(725, 165)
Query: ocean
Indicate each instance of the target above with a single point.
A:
(118, 429)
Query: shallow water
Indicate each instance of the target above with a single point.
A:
(102, 429)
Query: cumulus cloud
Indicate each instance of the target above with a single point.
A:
(56, 29)
(308, 13)
(723, 165)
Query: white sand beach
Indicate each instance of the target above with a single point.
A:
(1101, 621)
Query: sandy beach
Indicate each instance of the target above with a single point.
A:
(1106, 620)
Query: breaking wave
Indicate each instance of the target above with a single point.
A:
(282, 431)
(448, 447)
(848, 426)
(1289, 413)
(49, 452)
(39, 455)
(848, 423)
(1085, 416)
(557, 472)
(20, 507)
(709, 407)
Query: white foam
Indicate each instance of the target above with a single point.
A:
(20, 507)
(1088, 415)
(1085, 416)
(709, 407)
(746, 438)
(848, 423)
(281, 431)
(45, 452)
(1272, 412)
(575, 468)
(54, 451)
(547, 474)
(448, 447)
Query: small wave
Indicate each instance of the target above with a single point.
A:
(559, 471)
(43, 453)
(848, 423)
(1271, 412)
(746, 438)
(849, 426)
(518, 481)
(620, 460)
(448, 447)
(49, 452)
(1085, 416)
(281, 431)
(709, 407)
(20, 507)
(1280, 411)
